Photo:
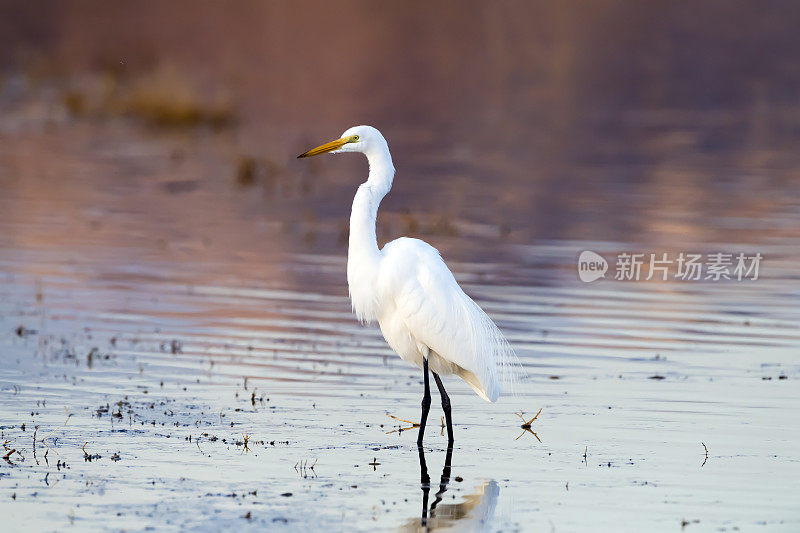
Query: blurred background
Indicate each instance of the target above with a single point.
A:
(163, 129)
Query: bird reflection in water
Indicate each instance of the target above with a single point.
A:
(474, 513)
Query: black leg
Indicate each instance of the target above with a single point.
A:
(425, 483)
(444, 481)
(446, 408)
(426, 403)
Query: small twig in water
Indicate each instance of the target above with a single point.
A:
(34, 444)
(706, 459)
(526, 426)
(402, 429)
(245, 441)
(415, 424)
(69, 415)
(374, 464)
(303, 468)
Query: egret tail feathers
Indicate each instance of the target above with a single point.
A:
(500, 369)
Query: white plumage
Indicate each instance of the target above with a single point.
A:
(408, 289)
(423, 312)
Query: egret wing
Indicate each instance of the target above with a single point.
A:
(444, 319)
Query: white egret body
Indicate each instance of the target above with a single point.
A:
(423, 313)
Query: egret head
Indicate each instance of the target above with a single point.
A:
(364, 139)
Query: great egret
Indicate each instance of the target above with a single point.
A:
(423, 314)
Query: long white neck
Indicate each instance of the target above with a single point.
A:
(363, 255)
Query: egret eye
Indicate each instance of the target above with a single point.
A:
(355, 138)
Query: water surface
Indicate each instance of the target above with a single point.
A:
(176, 341)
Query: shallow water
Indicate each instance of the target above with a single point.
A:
(177, 348)
(229, 384)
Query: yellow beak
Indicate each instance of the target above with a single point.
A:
(327, 147)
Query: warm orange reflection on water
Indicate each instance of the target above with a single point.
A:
(524, 121)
